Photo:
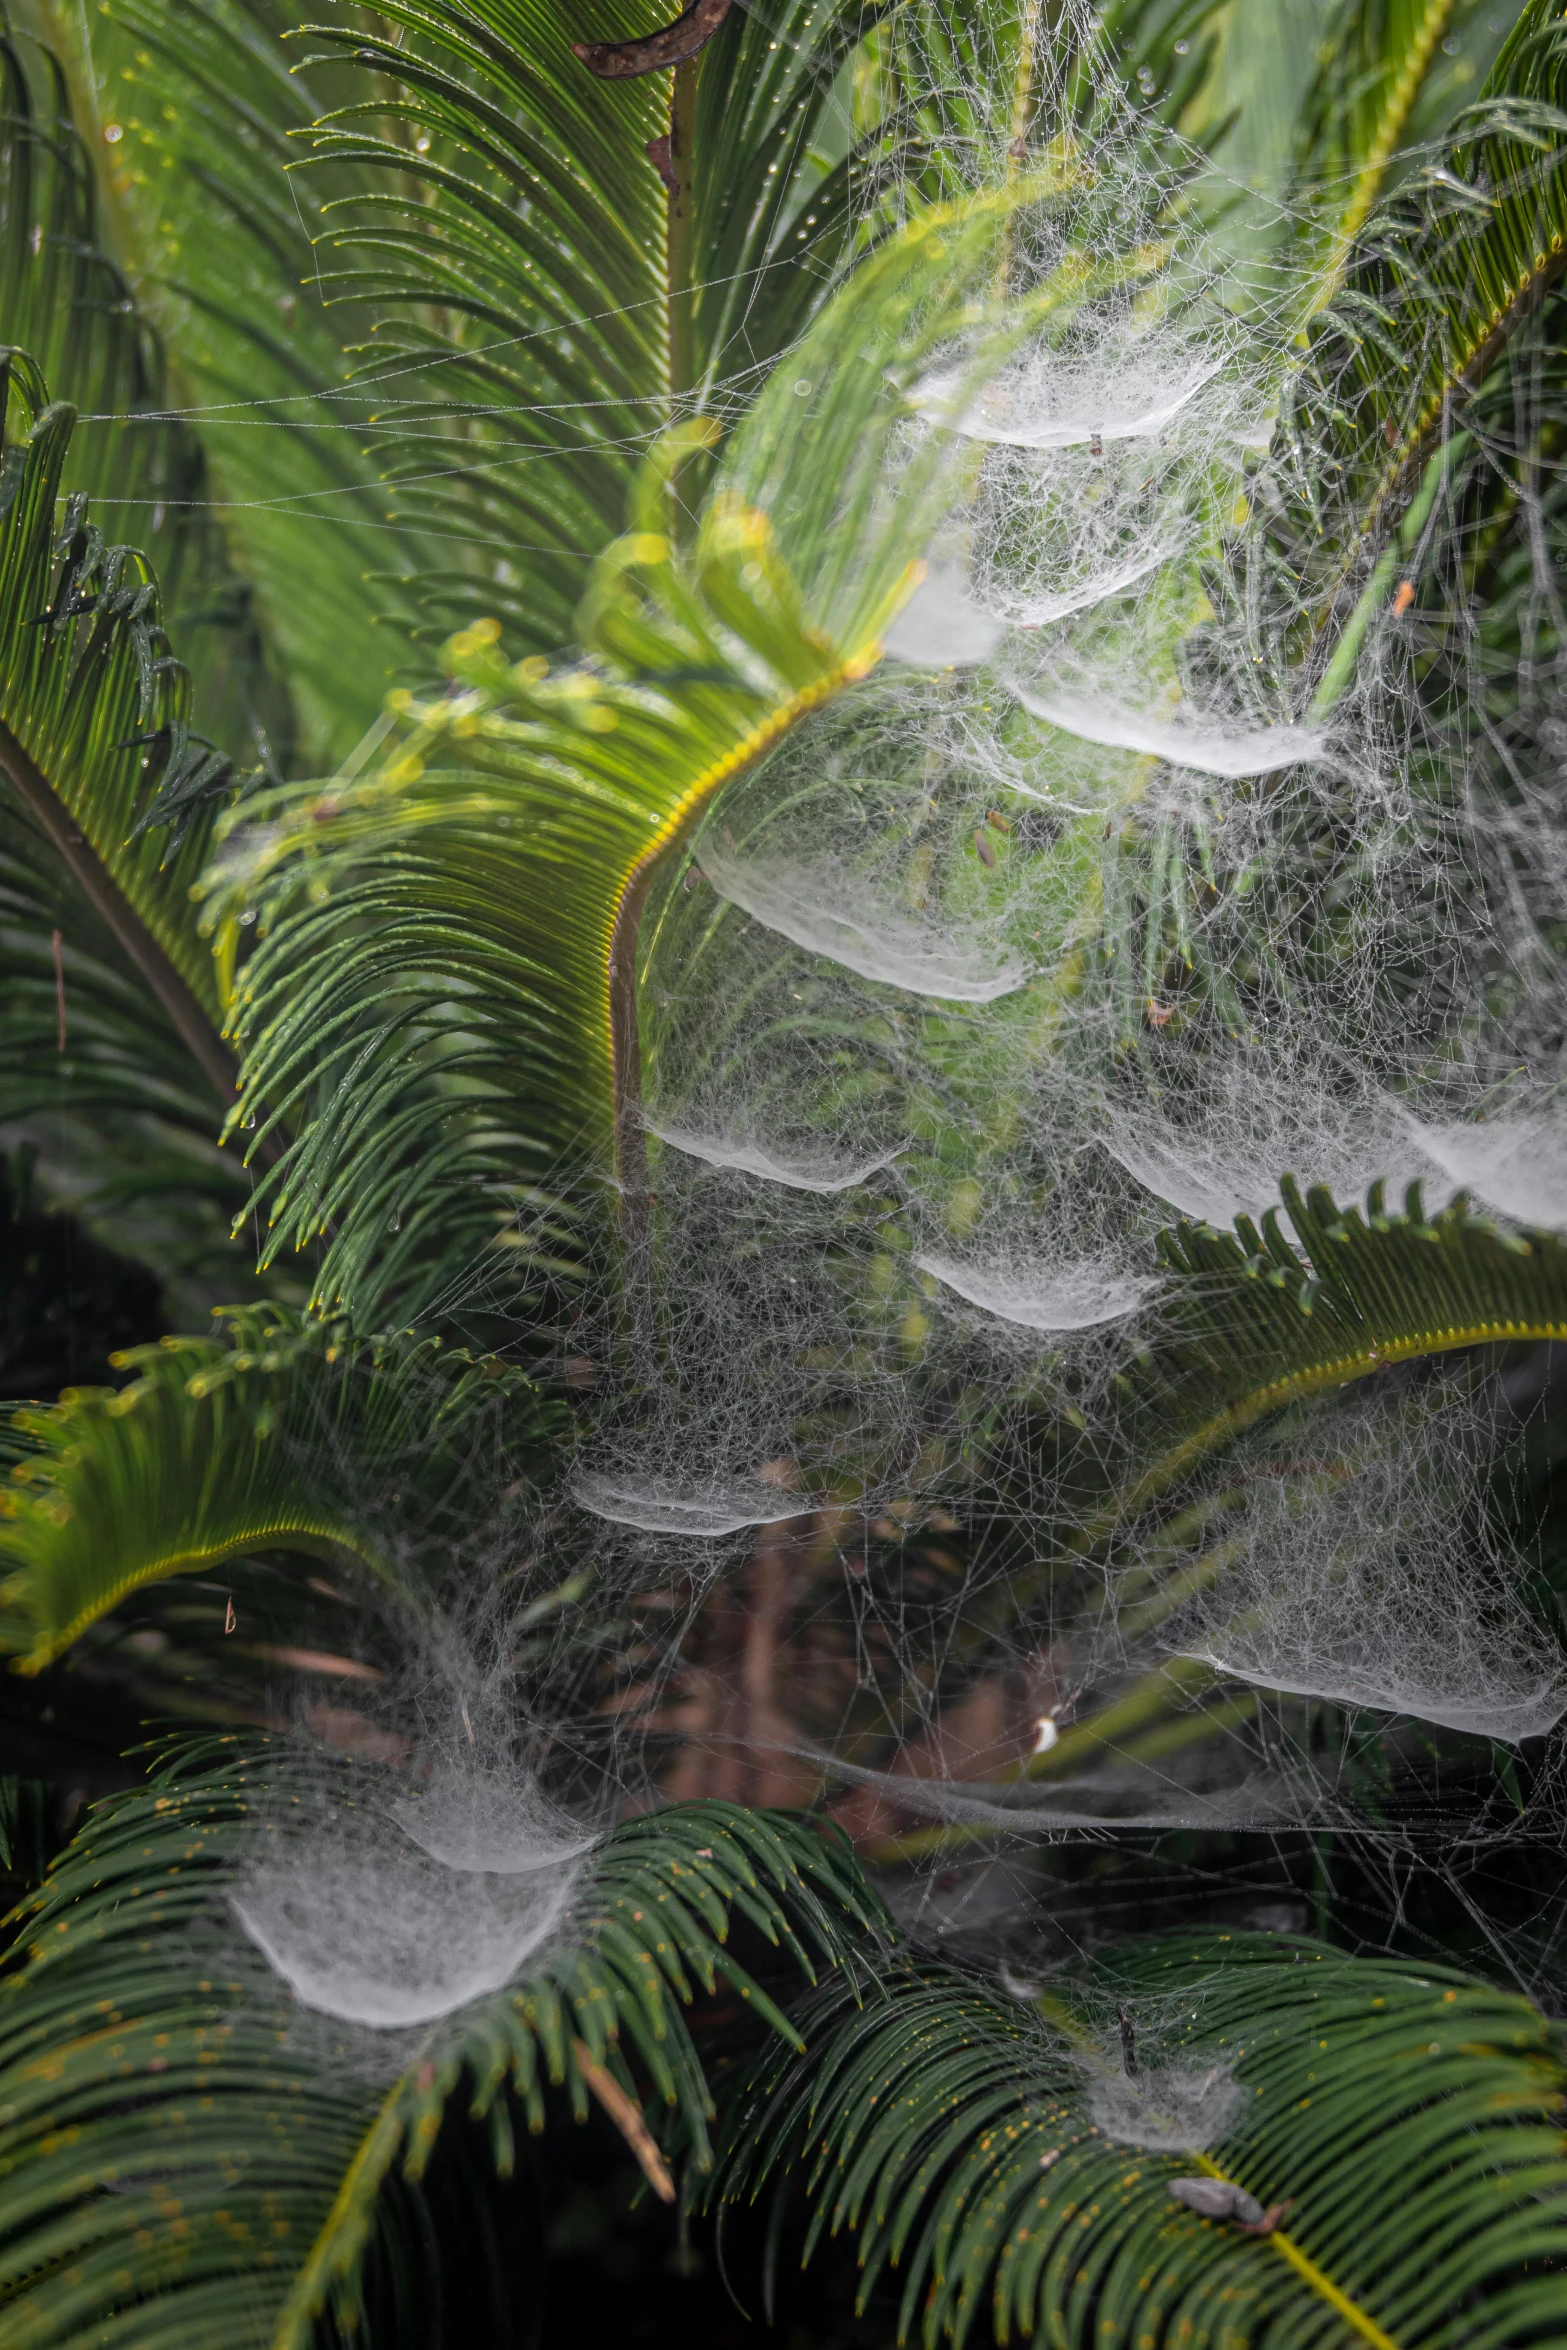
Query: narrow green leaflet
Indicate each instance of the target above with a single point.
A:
(1389, 77)
(572, 264)
(1455, 273)
(200, 114)
(97, 740)
(1255, 1321)
(66, 298)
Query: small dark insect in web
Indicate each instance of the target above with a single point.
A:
(1128, 2043)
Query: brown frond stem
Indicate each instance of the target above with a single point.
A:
(622, 61)
(626, 2115)
(87, 869)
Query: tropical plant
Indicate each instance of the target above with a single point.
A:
(717, 738)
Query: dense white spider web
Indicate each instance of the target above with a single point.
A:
(1083, 910)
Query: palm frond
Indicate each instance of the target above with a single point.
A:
(67, 301)
(104, 1089)
(1400, 2129)
(292, 2171)
(1256, 1322)
(1389, 78)
(97, 742)
(572, 264)
(204, 103)
(469, 912)
(283, 1437)
(1453, 278)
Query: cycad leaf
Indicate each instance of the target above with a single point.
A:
(65, 299)
(1390, 76)
(104, 1087)
(286, 1437)
(1257, 1322)
(96, 722)
(177, 2152)
(468, 912)
(203, 103)
(671, 236)
(1477, 255)
(1409, 2121)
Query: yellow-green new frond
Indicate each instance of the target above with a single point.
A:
(455, 930)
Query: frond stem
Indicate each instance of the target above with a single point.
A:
(625, 1043)
(1339, 2301)
(674, 44)
(92, 876)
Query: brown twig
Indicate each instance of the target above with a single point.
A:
(622, 61)
(626, 2115)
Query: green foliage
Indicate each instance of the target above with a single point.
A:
(25, 1838)
(1256, 1322)
(482, 102)
(90, 694)
(66, 300)
(611, 374)
(231, 2170)
(210, 101)
(491, 1050)
(112, 1001)
(283, 1436)
(1389, 76)
(1407, 2123)
(1450, 274)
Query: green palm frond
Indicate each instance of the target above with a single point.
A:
(1252, 1324)
(123, 1120)
(469, 911)
(97, 741)
(201, 105)
(1404, 2126)
(1454, 275)
(970, 84)
(283, 1437)
(572, 264)
(110, 1051)
(65, 299)
(267, 2174)
(1389, 77)
(1256, 1322)
(109, 1058)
